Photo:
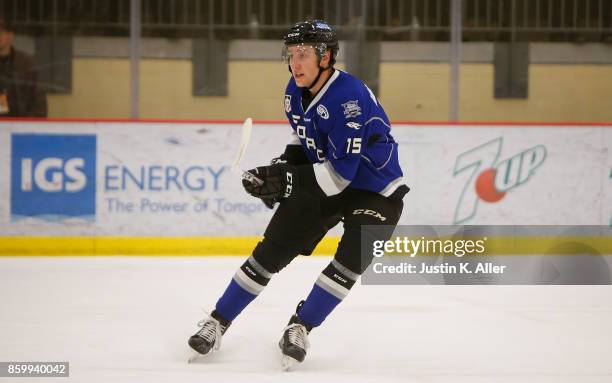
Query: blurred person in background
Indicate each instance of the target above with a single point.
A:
(20, 95)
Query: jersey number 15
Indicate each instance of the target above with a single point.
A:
(353, 145)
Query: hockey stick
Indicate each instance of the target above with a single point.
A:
(245, 136)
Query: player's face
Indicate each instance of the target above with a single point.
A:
(304, 64)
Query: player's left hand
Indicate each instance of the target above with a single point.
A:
(279, 182)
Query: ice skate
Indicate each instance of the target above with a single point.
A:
(294, 343)
(208, 338)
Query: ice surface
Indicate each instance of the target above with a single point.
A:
(127, 319)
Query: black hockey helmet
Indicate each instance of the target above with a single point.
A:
(316, 33)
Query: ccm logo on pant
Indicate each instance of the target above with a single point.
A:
(369, 212)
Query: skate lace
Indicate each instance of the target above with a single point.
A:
(298, 335)
(211, 331)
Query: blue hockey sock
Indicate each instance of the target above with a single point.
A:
(328, 291)
(250, 280)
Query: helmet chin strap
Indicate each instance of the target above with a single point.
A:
(314, 82)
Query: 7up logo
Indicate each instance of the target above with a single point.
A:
(488, 179)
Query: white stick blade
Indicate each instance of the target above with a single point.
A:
(245, 136)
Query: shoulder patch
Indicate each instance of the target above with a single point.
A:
(287, 103)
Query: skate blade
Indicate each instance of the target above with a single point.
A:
(288, 363)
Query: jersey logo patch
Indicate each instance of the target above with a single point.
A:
(351, 109)
(322, 111)
(287, 103)
(353, 125)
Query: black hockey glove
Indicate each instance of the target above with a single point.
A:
(270, 202)
(282, 159)
(279, 182)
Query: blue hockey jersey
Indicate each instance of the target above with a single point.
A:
(345, 133)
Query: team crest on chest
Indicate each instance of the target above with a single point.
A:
(287, 103)
(322, 111)
(351, 109)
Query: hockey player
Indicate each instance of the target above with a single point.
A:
(342, 165)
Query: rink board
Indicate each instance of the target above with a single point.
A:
(238, 246)
(148, 246)
(105, 188)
